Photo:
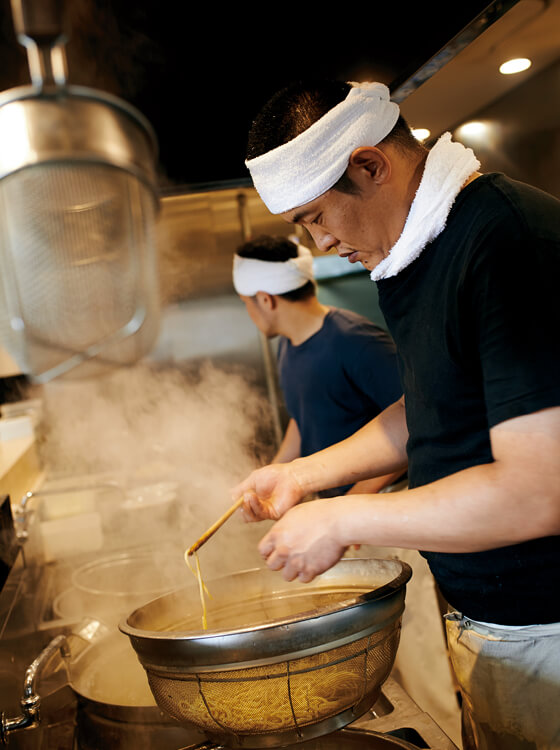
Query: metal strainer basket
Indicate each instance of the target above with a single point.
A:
(281, 663)
(78, 203)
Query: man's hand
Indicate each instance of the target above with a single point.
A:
(306, 541)
(269, 492)
(377, 448)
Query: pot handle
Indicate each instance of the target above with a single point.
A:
(31, 699)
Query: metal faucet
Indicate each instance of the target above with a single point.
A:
(31, 700)
(21, 516)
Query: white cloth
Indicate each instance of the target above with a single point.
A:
(251, 276)
(447, 167)
(422, 665)
(304, 168)
(510, 683)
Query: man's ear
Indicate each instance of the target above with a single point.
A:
(266, 300)
(369, 163)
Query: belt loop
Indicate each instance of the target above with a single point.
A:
(453, 616)
(457, 617)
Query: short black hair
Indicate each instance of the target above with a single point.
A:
(273, 248)
(276, 249)
(296, 107)
(292, 110)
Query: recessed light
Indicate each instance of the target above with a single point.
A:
(472, 128)
(515, 66)
(420, 133)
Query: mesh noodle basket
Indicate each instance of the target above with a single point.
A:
(78, 205)
(280, 662)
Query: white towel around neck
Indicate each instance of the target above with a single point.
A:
(448, 166)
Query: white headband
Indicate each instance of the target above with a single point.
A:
(304, 168)
(251, 276)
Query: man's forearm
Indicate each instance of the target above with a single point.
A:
(468, 512)
(511, 500)
(377, 449)
(290, 448)
(375, 484)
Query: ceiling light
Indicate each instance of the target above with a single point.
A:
(472, 128)
(420, 133)
(515, 66)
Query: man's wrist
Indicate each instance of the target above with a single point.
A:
(307, 474)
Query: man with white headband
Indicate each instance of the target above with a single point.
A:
(466, 266)
(274, 278)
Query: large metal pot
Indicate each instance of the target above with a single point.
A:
(112, 586)
(115, 707)
(281, 663)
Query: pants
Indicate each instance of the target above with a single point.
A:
(422, 665)
(510, 684)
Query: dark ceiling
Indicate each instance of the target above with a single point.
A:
(200, 72)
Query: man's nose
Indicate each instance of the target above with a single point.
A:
(324, 240)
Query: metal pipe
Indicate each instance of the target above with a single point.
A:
(22, 512)
(244, 217)
(31, 700)
(41, 28)
(269, 364)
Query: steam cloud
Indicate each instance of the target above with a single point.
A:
(202, 431)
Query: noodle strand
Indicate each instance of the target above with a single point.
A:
(203, 591)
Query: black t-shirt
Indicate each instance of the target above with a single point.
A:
(476, 322)
(337, 380)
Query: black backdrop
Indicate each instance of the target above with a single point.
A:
(200, 72)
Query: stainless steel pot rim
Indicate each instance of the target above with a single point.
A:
(133, 557)
(366, 596)
(117, 595)
(147, 714)
(269, 641)
(200, 636)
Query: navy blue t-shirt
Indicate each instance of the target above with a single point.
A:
(338, 380)
(476, 322)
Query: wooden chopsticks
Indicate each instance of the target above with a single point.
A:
(215, 526)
